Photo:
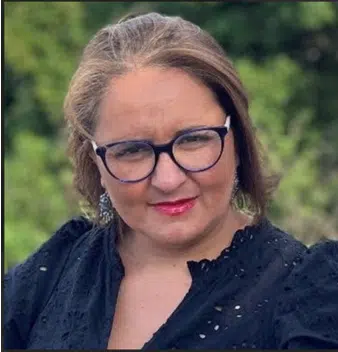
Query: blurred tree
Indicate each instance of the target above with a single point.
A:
(291, 146)
(42, 45)
(38, 194)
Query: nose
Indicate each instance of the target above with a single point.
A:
(167, 175)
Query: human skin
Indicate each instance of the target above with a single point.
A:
(154, 103)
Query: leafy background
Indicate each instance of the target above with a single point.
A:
(287, 57)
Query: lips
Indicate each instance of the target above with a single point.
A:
(176, 202)
(176, 207)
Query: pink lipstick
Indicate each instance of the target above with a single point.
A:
(175, 208)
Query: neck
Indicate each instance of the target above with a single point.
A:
(138, 252)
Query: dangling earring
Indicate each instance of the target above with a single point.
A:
(235, 187)
(106, 208)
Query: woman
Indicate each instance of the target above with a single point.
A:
(178, 253)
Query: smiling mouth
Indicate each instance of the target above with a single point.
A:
(175, 208)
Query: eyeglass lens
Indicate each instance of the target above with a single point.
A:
(193, 151)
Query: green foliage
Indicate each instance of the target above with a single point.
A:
(316, 14)
(286, 54)
(38, 196)
(292, 152)
(42, 44)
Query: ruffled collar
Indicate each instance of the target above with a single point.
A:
(242, 239)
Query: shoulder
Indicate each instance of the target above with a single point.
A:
(306, 314)
(28, 285)
(56, 247)
(274, 246)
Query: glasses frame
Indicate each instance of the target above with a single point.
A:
(164, 148)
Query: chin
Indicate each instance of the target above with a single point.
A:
(177, 234)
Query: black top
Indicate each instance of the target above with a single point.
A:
(267, 290)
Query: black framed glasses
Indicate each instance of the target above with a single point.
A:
(194, 150)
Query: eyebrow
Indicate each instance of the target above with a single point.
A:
(187, 129)
(142, 139)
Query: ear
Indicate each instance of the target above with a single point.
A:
(93, 157)
(102, 183)
(235, 146)
(96, 161)
(101, 177)
(237, 160)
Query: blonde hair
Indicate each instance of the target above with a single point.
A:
(156, 40)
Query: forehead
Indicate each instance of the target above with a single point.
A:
(155, 103)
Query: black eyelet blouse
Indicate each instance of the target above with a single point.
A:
(267, 290)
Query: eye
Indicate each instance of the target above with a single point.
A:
(129, 150)
(196, 138)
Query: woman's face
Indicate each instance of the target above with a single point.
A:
(154, 104)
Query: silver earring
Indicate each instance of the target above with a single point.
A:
(235, 187)
(106, 208)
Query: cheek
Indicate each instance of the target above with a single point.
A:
(216, 184)
(122, 194)
(128, 199)
(127, 195)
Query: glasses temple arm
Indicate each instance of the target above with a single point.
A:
(94, 145)
(227, 122)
